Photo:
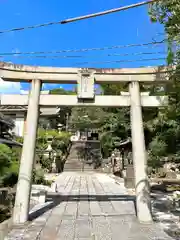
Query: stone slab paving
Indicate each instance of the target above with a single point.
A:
(87, 206)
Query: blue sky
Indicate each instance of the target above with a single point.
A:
(128, 27)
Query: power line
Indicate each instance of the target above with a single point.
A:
(91, 56)
(121, 61)
(29, 27)
(78, 18)
(42, 56)
(87, 49)
(108, 11)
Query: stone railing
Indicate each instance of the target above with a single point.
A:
(5, 227)
(7, 197)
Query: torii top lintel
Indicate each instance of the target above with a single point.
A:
(23, 73)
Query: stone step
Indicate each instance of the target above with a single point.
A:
(73, 163)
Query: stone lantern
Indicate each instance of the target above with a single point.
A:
(49, 153)
(49, 147)
(60, 126)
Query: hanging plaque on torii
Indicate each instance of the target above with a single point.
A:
(85, 85)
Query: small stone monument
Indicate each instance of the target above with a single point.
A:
(54, 186)
(118, 160)
(129, 180)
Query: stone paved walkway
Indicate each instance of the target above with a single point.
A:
(88, 206)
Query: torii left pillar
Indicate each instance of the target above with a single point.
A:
(23, 191)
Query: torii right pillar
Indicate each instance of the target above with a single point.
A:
(143, 201)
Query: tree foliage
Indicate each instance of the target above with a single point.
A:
(5, 158)
(83, 118)
(167, 12)
(165, 126)
(9, 165)
(59, 142)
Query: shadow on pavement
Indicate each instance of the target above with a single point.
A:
(55, 199)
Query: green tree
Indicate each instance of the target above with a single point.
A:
(5, 158)
(59, 141)
(167, 12)
(9, 165)
(84, 118)
(165, 126)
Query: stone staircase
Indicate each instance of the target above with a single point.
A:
(74, 164)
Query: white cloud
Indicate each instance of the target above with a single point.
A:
(16, 88)
(9, 87)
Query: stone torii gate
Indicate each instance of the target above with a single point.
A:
(85, 97)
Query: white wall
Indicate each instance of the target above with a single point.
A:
(19, 125)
